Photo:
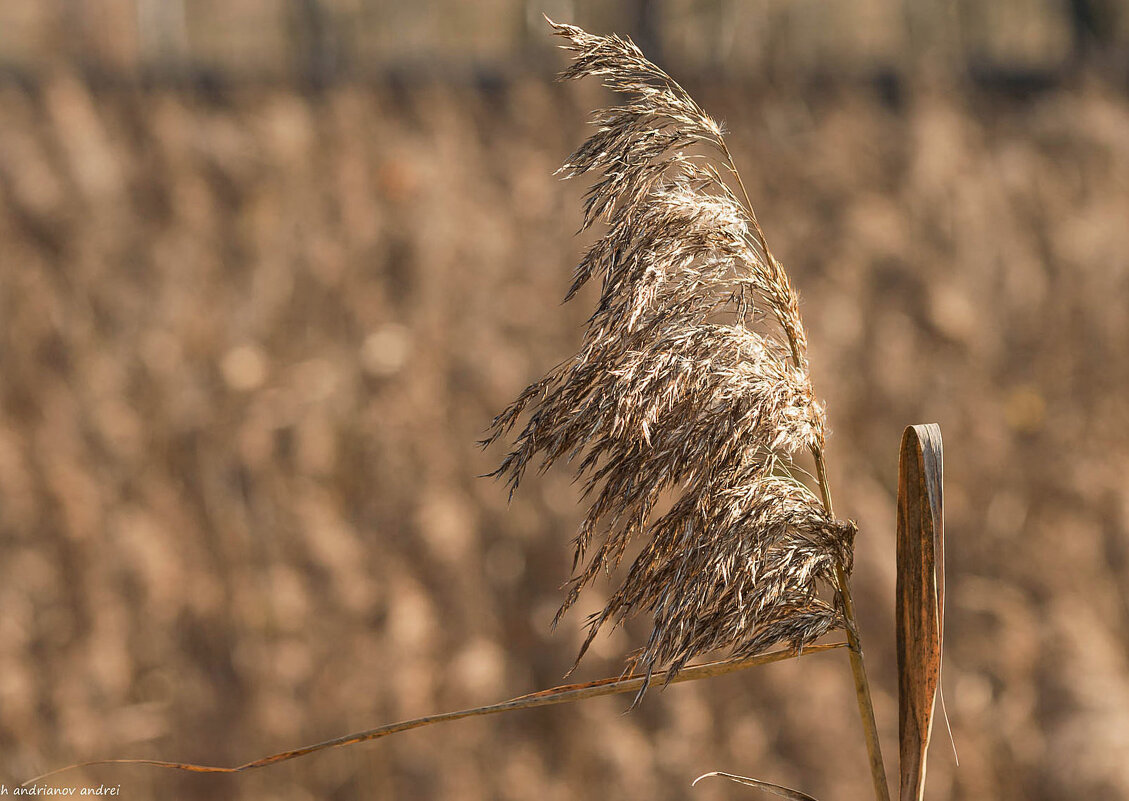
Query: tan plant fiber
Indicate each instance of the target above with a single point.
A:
(691, 384)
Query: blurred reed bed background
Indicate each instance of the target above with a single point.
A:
(250, 336)
(318, 41)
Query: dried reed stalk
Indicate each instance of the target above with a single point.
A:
(551, 697)
(691, 385)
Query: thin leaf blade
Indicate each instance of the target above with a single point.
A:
(768, 787)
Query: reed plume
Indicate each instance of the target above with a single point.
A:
(690, 392)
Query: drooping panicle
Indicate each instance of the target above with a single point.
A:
(690, 393)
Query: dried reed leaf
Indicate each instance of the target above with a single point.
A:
(920, 598)
(691, 387)
(768, 787)
(556, 695)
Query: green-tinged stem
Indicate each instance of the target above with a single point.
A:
(821, 477)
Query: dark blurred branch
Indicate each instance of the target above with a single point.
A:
(647, 28)
(317, 50)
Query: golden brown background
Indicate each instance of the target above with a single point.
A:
(262, 291)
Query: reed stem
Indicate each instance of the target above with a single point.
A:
(858, 666)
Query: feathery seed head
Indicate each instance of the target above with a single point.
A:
(691, 383)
